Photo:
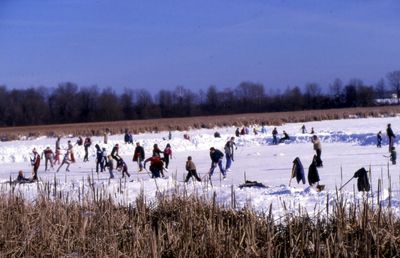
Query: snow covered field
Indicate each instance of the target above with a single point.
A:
(347, 145)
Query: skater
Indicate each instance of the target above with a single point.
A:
(216, 160)
(169, 135)
(379, 139)
(156, 150)
(70, 150)
(66, 160)
(312, 130)
(156, 166)
(21, 179)
(126, 137)
(57, 156)
(255, 131)
(285, 137)
(110, 165)
(297, 171)
(274, 136)
(237, 132)
(229, 153)
(303, 129)
(317, 147)
(167, 155)
(115, 155)
(139, 156)
(99, 159)
(263, 129)
(391, 136)
(393, 155)
(123, 168)
(58, 143)
(48, 157)
(313, 176)
(191, 169)
(87, 144)
(35, 162)
(105, 137)
(79, 141)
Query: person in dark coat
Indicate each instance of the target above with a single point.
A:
(191, 169)
(99, 159)
(167, 155)
(298, 171)
(115, 155)
(126, 137)
(313, 176)
(216, 160)
(284, 138)
(237, 132)
(391, 136)
(303, 129)
(393, 155)
(139, 156)
(48, 157)
(274, 136)
(86, 145)
(156, 166)
(362, 180)
(379, 139)
(21, 179)
(123, 168)
(156, 150)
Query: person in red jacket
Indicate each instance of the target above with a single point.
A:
(156, 166)
(167, 154)
(35, 162)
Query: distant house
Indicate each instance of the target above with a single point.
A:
(392, 100)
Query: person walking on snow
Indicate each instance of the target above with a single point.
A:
(87, 144)
(139, 156)
(156, 166)
(48, 157)
(216, 160)
(66, 160)
(317, 147)
(35, 162)
(274, 136)
(167, 155)
(156, 150)
(391, 136)
(70, 150)
(229, 152)
(110, 165)
(99, 159)
(393, 155)
(115, 155)
(191, 169)
(379, 139)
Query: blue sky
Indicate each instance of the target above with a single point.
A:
(161, 44)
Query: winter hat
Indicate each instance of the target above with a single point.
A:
(212, 149)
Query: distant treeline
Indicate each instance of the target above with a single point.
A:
(68, 103)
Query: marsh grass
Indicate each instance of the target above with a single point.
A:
(183, 124)
(190, 226)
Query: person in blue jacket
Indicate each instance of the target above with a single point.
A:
(216, 160)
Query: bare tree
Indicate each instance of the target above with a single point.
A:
(394, 80)
(380, 89)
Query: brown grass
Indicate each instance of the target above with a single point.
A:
(182, 124)
(189, 227)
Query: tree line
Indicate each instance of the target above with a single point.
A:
(68, 103)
